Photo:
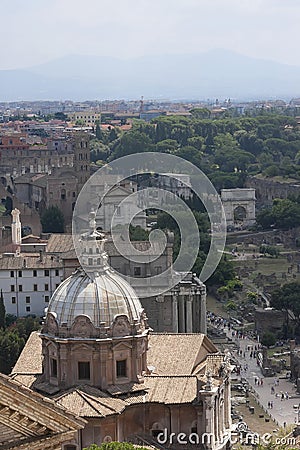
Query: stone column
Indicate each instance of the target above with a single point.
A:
(221, 418)
(216, 417)
(181, 314)
(174, 314)
(227, 404)
(203, 321)
(189, 315)
(208, 418)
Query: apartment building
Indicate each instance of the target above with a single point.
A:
(28, 282)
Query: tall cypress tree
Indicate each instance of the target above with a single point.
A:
(2, 311)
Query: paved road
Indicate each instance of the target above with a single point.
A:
(282, 410)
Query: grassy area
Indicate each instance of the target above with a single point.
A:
(215, 306)
(267, 266)
(271, 351)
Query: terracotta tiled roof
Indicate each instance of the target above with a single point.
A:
(25, 380)
(86, 401)
(60, 243)
(31, 396)
(125, 388)
(63, 244)
(137, 398)
(30, 360)
(175, 354)
(171, 390)
(29, 262)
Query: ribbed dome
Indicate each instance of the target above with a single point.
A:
(94, 301)
(101, 298)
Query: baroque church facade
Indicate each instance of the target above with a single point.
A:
(97, 359)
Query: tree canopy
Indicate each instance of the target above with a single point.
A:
(52, 220)
(12, 339)
(287, 298)
(285, 213)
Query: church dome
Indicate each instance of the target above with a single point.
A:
(101, 298)
(94, 302)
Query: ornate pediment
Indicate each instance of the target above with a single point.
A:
(121, 326)
(82, 327)
(51, 325)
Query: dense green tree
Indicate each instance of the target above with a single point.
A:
(113, 135)
(52, 220)
(287, 298)
(271, 171)
(201, 113)
(131, 142)
(285, 214)
(268, 339)
(98, 131)
(265, 218)
(138, 234)
(61, 116)
(167, 146)
(223, 273)
(10, 319)
(99, 150)
(13, 338)
(269, 250)
(80, 123)
(10, 347)
(190, 154)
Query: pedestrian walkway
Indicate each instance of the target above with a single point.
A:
(283, 411)
(281, 393)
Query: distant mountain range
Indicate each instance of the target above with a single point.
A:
(213, 74)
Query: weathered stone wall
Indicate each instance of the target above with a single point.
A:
(268, 320)
(267, 189)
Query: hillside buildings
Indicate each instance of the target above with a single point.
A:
(41, 177)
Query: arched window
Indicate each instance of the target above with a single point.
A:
(63, 194)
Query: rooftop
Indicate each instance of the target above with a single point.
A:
(24, 262)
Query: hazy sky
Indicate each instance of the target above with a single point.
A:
(35, 31)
